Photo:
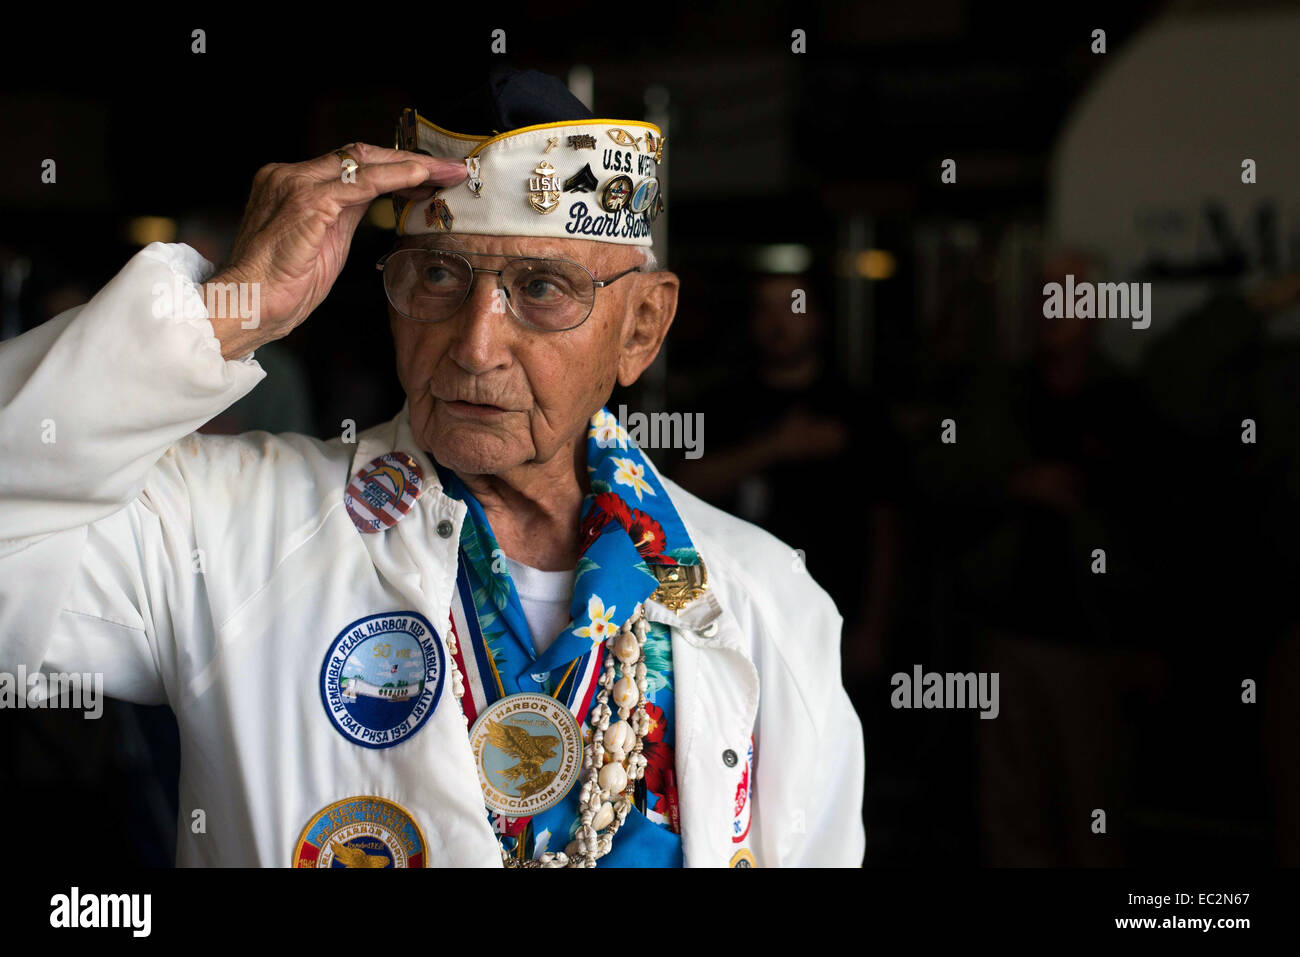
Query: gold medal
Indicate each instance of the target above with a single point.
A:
(528, 751)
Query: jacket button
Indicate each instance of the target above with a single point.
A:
(709, 630)
(729, 758)
(444, 529)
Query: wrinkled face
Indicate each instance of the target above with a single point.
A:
(487, 394)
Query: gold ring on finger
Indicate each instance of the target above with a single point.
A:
(347, 161)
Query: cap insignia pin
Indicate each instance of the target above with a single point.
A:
(475, 184)
(643, 197)
(657, 208)
(583, 181)
(543, 188)
(624, 138)
(616, 193)
(437, 215)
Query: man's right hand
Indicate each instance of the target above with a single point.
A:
(298, 227)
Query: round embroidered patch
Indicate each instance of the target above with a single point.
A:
(380, 495)
(742, 858)
(382, 678)
(361, 831)
(528, 751)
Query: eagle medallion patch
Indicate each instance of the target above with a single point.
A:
(528, 751)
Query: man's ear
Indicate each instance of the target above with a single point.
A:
(650, 313)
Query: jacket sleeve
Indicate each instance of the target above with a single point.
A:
(95, 532)
(833, 831)
(836, 836)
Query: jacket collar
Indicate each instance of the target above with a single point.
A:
(396, 436)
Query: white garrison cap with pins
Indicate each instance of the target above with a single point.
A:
(584, 179)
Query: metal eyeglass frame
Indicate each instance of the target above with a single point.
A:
(505, 293)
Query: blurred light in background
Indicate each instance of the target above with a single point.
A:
(782, 258)
(143, 230)
(869, 264)
(381, 213)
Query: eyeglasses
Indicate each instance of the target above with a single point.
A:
(550, 295)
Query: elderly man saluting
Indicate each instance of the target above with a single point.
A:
(485, 632)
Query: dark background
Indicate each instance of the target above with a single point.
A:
(1120, 691)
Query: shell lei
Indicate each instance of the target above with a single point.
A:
(602, 810)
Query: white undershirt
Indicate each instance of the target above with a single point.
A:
(545, 597)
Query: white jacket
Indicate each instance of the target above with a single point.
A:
(102, 528)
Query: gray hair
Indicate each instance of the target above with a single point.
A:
(650, 263)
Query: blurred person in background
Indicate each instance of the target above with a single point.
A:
(1048, 466)
(794, 425)
(1223, 381)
